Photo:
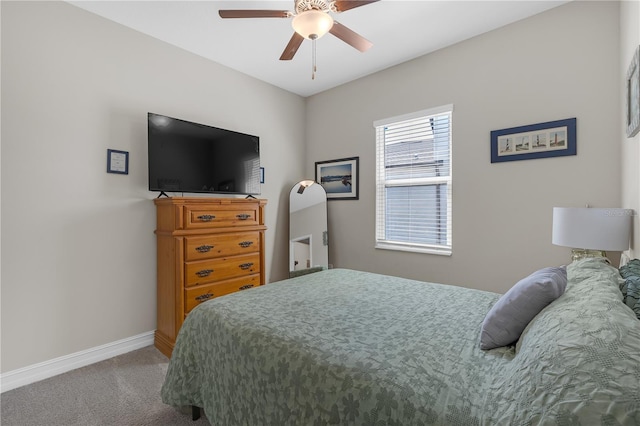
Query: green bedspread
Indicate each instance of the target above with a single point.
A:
(347, 347)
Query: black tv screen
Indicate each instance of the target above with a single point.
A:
(192, 157)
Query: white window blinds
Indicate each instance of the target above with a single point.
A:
(413, 181)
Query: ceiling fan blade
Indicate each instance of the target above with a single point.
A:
(254, 13)
(292, 47)
(341, 6)
(350, 37)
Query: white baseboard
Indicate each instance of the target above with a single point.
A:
(44, 370)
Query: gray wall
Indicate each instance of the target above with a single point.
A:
(560, 64)
(78, 249)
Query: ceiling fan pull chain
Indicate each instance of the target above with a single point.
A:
(313, 61)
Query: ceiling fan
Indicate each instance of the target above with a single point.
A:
(311, 20)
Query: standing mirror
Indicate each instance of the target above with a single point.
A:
(308, 239)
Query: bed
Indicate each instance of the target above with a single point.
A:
(349, 347)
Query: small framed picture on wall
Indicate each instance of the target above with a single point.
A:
(339, 178)
(117, 162)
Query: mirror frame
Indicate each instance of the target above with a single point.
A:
(308, 225)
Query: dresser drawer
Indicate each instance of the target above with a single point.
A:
(208, 246)
(206, 271)
(199, 217)
(196, 295)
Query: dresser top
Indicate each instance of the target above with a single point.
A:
(207, 200)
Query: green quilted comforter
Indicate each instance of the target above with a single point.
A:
(354, 348)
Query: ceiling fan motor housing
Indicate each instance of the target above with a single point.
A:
(322, 5)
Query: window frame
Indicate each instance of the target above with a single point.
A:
(381, 184)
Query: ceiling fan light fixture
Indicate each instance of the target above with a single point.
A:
(312, 24)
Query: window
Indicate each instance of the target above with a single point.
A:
(413, 181)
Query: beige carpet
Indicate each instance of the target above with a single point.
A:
(121, 391)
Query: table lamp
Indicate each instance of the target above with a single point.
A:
(590, 232)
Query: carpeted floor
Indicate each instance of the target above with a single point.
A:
(122, 391)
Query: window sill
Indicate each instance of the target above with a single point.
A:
(414, 249)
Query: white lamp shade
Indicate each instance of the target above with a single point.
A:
(312, 24)
(591, 228)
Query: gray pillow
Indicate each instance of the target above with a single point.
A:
(510, 315)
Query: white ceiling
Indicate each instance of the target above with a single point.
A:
(399, 30)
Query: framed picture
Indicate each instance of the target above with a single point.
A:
(261, 174)
(339, 178)
(550, 139)
(117, 162)
(633, 95)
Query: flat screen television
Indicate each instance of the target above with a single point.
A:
(195, 158)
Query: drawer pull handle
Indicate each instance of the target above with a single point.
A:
(206, 217)
(205, 248)
(245, 287)
(245, 244)
(243, 216)
(204, 297)
(246, 266)
(204, 273)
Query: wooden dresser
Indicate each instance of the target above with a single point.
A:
(207, 247)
